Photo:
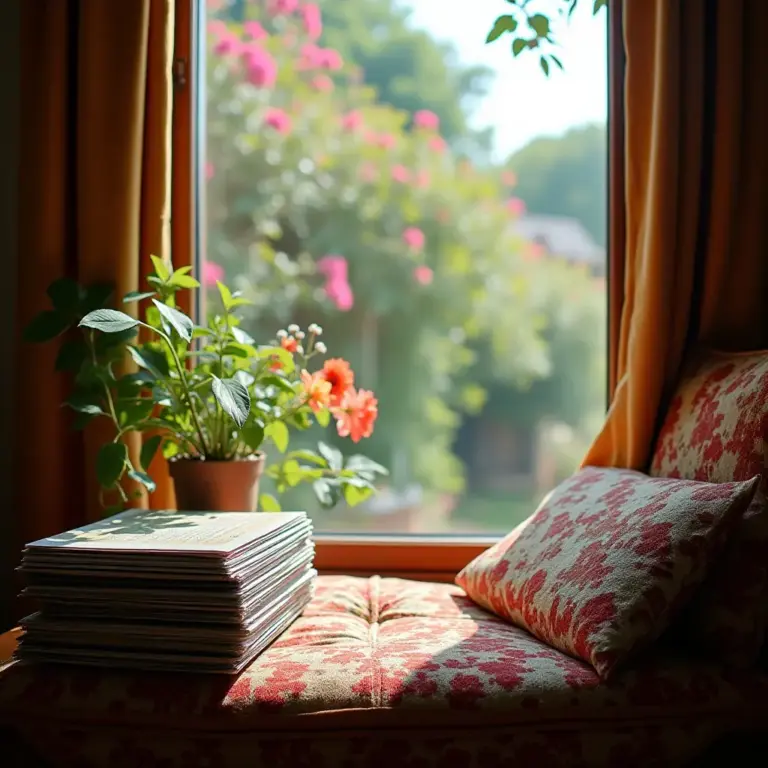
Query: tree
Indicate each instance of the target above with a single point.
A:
(566, 176)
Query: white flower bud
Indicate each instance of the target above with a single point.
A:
(321, 348)
(299, 350)
(315, 329)
(293, 328)
(299, 335)
(281, 334)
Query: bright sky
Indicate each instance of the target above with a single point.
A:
(523, 103)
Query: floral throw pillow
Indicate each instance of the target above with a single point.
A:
(716, 430)
(606, 561)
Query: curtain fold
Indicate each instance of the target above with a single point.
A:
(695, 201)
(94, 202)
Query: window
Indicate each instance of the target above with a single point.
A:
(439, 208)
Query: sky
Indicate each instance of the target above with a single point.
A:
(523, 103)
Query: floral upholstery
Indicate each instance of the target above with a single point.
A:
(376, 668)
(716, 430)
(607, 560)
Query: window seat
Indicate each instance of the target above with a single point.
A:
(381, 671)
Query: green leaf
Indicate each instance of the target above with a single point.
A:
(72, 354)
(278, 433)
(327, 493)
(268, 503)
(503, 24)
(539, 24)
(183, 281)
(110, 463)
(105, 342)
(82, 420)
(161, 268)
(87, 408)
(182, 324)
(323, 418)
(309, 456)
(46, 326)
(360, 463)
(354, 495)
(241, 337)
(331, 455)
(96, 296)
(151, 360)
(292, 472)
(65, 295)
(253, 434)
(283, 355)
(108, 321)
(518, 46)
(544, 65)
(556, 61)
(143, 478)
(598, 5)
(273, 380)
(234, 399)
(148, 450)
(130, 414)
(137, 296)
(238, 350)
(225, 293)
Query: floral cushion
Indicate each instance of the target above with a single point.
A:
(607, 560)
(716, 431)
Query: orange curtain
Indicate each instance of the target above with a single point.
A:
(690, 203)
(94, 203)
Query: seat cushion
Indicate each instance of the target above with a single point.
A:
(716, 430)
(373, 664)
(607, 560)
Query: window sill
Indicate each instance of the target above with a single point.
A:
(427, 558)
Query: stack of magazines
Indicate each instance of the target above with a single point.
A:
(183, 591)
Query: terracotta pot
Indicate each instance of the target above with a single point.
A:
(217, 486)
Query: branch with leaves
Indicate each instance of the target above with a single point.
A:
(531, 29)
(203, 392)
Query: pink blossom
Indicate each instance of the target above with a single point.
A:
(229, 45)
(209, 170)
(386, 140)
(516, 206)
(310, 57)
(214, 5)
(533, 252)
(322, 83)
(333, 266)
(509, 178)
(217, 28)
(438, 144)
(424, 118)
(352, 120)
(422, 178)
(414, 238)
(278, 119)
(261, 68)
(331, 59)
(212, 273)
(368, 172)
(340, 293)
(423, 274)
(255, 31)
(401, 174)
(283, 7)
(313, 21)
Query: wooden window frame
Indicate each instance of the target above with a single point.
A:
(432, 558)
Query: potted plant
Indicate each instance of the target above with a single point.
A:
(209, 397)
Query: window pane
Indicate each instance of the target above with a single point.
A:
(438, 206)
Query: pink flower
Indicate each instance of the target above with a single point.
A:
(261, 68)
(422, 178)
(386, 140)
(333, 266)
(438, 144)
(278, 119)
(313, 21)
(217, 28)
(331, 59)
(339, 292)
(352, 120)
(401, 174)
(229, 44)
(516, 206)
(414, 238)
(209, 170)
(283, 7)
(322, 83)
(423, 274)
(368, 172)
(254, 30)
(212, 273)
(424, 118)
(509, 178)
(533, 252)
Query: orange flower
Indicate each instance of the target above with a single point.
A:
(341, 377)
(317, 389)
(356, 414)
(289, 343)
(275, 364)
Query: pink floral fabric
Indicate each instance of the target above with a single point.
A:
(607, 560)
(381, 667)
(716, 431)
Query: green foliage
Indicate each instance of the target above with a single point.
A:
(217, 400)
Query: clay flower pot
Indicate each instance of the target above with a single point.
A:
(217, 486)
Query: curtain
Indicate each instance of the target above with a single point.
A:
(689, 260)
(94, 203)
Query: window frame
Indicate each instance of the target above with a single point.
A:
(421, 557)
